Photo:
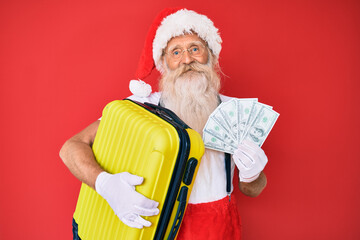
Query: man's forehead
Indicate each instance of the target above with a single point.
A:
(184, 40)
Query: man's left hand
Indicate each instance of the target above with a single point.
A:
(250, 160)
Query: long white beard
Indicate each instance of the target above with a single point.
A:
(192, 92)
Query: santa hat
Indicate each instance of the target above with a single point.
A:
(171, 22)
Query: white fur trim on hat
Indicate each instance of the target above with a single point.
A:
(179, 23)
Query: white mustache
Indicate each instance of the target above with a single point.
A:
(192, 67)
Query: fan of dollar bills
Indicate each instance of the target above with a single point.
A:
(236, 120)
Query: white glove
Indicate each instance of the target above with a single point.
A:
(119, 191)
(250, 160)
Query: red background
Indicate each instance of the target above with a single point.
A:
(62, 61)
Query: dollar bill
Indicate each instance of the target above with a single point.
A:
(215, 128)
(219, 118)
(261, 126)
(245, 106)
(255, 110)
(229, 112)
(236, 120)
(214, 143)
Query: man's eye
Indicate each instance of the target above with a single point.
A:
(175, 53)
(195, 49)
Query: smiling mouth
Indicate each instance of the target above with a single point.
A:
(186, 71)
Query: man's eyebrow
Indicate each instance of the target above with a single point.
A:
(171, 48)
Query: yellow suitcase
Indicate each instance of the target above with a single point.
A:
(152, 142)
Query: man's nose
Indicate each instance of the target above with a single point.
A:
(187, 58)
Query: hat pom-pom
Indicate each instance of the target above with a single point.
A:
(140, 88)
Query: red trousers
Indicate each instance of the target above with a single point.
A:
(215, 220)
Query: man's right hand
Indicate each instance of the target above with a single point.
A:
(119, 191)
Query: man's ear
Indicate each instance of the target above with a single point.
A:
(164, 64)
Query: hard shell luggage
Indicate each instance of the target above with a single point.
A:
(149, 141)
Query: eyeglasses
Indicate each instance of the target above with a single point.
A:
(197, 49)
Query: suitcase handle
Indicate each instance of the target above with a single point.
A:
(180, 212)
(166, 113)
